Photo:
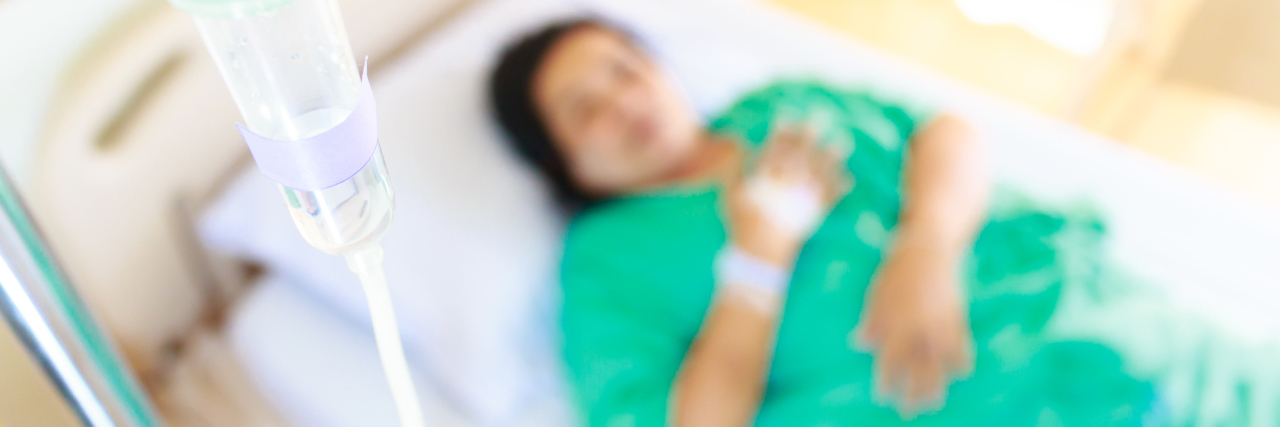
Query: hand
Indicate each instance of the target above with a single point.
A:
(775, 207)
(915, 322)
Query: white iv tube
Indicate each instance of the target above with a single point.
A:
(368, 265)
(290, 70)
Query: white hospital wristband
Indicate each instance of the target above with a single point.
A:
(739, 272)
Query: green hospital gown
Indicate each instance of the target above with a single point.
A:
(637, 281)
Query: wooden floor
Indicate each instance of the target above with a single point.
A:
(1228, 138)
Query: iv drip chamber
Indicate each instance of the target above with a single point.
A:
(291, 72)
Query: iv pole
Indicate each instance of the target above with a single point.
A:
(47, 315)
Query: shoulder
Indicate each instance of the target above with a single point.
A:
(791, 93)
(879, 114)
(761, 103)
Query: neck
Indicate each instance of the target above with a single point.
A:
(713, 159)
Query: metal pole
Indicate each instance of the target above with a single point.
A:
(54, 325)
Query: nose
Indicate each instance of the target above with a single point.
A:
(628, 101)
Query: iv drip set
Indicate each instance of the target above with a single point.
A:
(311, 125)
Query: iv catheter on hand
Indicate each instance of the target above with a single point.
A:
(311, 125)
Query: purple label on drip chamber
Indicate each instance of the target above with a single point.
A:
(326, 159)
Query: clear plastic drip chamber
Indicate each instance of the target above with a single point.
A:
(291, 72)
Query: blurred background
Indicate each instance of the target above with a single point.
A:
(1190, 82)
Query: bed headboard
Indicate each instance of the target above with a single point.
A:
(139, 139)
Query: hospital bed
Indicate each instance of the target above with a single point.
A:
(191, 260)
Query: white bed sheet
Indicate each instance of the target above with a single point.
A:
(471, 254)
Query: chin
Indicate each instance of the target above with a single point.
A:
(669, 158)
(672, 150)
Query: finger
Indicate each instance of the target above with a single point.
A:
(890, 370)
(811, 129)
(955, 344)
(857, 341)
(795, 161)
(820, 169)
(808, 138)
(823, 162)
(843, 185)
(865, 337)
(868, 331)
(791, 137)
(811, 151)
(831, 157)
(835, 151)
(787, 118)
(805, 139)
(925, 380)
(960, 358)
(772, 150)
(837, 182)
(774, 163)
(781, 140)
(842, 147)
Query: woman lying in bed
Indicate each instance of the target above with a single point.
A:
(813, 256)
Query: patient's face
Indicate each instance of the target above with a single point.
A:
(619, 122)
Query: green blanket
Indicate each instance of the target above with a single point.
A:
(1063, 337)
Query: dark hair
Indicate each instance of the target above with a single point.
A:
(511, 101)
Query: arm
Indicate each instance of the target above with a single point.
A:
(946, 187)
(915, 320)
(722, 378)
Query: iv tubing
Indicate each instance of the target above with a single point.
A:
(367, 263)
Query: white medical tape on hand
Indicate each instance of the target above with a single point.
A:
(794, 207)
